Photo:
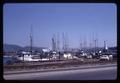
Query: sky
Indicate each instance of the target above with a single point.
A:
(80, 21)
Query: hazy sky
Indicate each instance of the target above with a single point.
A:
(78, 20)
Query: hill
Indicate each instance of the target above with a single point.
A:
(15, 48)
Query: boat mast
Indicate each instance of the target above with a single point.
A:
(94, 43)
(90, 43)
(105, 47)
(81, 44)
(31, 40)
(54, 43)
(58, 42)
(63, 42)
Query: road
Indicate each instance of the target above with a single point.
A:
(101, 73)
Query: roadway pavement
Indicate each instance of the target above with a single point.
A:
(95, 73)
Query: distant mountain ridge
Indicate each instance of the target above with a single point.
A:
(14, 48)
